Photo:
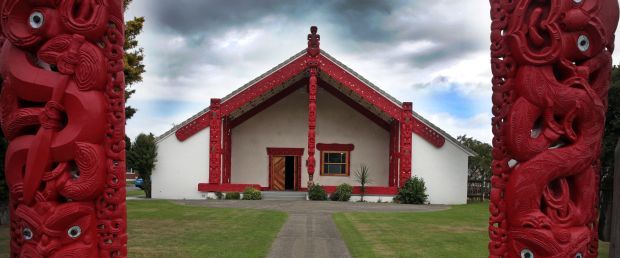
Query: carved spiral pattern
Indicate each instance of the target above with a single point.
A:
(62, 108)
(551, 63)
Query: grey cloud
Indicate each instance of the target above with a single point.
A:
(359, 23)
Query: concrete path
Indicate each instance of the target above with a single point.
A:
(310, 230)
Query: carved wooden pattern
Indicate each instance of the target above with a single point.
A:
(62, 109)
(313, 52)
(551, 65)
(393, 166)
(215, 143)
(406, 130)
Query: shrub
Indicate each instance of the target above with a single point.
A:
(219, 195)
(362, 176)
(342, 193)
(413, 192)
(252, 194)
(233, 196)
(317, 193)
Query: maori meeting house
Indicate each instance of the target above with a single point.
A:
(309, 120)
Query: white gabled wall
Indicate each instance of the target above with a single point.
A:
(444, 170)
(181, 166)
(285, 125)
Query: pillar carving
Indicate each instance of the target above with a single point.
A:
(406, 131)
(551, 64)
(215, 143)
(62, 110)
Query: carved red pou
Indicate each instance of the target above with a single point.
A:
(62, 110)
(551, 63)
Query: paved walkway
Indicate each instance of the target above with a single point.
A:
(310, 230)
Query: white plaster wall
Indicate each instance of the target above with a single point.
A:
(181, 166)
(285, 125)
(444, 170)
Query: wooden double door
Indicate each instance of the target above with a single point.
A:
(284, 173)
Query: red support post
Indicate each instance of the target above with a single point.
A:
(62, 109)
(227, 146)
(393, 167)
(215, 143)
(312, 63)
(551, 63)
(406, 131)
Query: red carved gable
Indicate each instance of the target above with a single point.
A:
(330, 70)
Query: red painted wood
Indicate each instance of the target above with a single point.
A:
(193, 127)
(313, 53)
(358, 87)
(393, 167)
(551, 64)
(206, 187)
(328, 67)
(427, 133)
(267, 103)
(215, 143)
(273, 151)
(370, 190)
(73, 120)
(406, 128)
(298, 172)
(356, 106)
(334, 147)
(271, 81)
(227, 151)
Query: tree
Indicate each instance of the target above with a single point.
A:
(479, 166)
(134, 57)
(142, 156)
(612, 133)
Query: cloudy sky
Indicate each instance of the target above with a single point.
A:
(432, 53)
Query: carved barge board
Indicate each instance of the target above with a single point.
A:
(62, 109)
(551, 63)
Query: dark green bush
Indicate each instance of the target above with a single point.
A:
(219, 195)
(342, 193)
(317, 193)
(252, 194)
(413, 192)
(233, 196)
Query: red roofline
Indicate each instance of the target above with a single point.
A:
(332, 70)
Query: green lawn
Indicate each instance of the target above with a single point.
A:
(135, 193)
(458, 232)
(165, 229)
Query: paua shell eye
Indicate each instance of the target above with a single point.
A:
(74, 232)
(36, 19)
(583, 43)
(526, 253)
(27, 233)
(578, 255)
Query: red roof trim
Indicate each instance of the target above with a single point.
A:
(360, 88)
(331, 69)
(193, 127)
(267, 103)
(351, 103)
(273, 80)
(334, 147)
(427, 133)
